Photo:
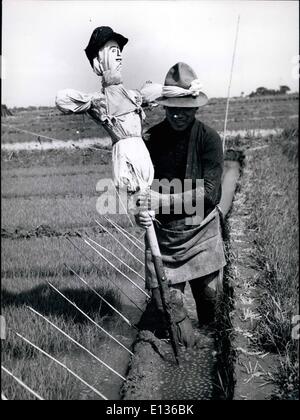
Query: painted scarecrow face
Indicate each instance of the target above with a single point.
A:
(110, 57)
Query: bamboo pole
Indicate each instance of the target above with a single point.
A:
(90, 319)
(230, 80)
(101, 297)
(120, 243)
(115, 284)
(77, 343)
(117, 258)
(62, 365)
(129, 234)
(124, 234)
(116, 268)
(22, 384)
(163, 288)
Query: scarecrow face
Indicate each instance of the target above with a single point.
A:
(180, 118)
(110, 57)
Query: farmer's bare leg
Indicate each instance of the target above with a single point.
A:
(205, 290)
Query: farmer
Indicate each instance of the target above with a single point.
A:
(182, 147)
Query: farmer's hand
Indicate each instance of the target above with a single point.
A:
(151, 200)
(144, 219)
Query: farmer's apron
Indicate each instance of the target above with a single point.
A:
(188, 254)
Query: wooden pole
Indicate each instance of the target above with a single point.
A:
(229, 85)
(163, 288)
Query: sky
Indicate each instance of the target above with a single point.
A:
(43, 44)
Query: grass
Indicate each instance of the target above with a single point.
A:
(24, 283)
(45, 377)
(274, 221)
(58, 191)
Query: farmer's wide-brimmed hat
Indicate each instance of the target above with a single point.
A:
(182, 88)
(99, 37)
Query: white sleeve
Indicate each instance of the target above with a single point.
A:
(72, 101)
(150, 92)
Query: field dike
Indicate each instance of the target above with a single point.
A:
(253, 367)
(205, 372)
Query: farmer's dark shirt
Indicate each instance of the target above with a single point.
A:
(168, 149)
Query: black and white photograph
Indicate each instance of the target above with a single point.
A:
(149, 197)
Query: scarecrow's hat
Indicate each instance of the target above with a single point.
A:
(99, 37)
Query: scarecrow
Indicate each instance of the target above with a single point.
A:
(119, 112)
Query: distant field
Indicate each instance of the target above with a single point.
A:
(244, 114)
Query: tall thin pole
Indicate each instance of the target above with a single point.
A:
(230, 80)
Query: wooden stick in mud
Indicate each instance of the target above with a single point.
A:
(22, 384)
(90, 319)
(101, 297)
(77, 343)
(163, 288)
(62, 365)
